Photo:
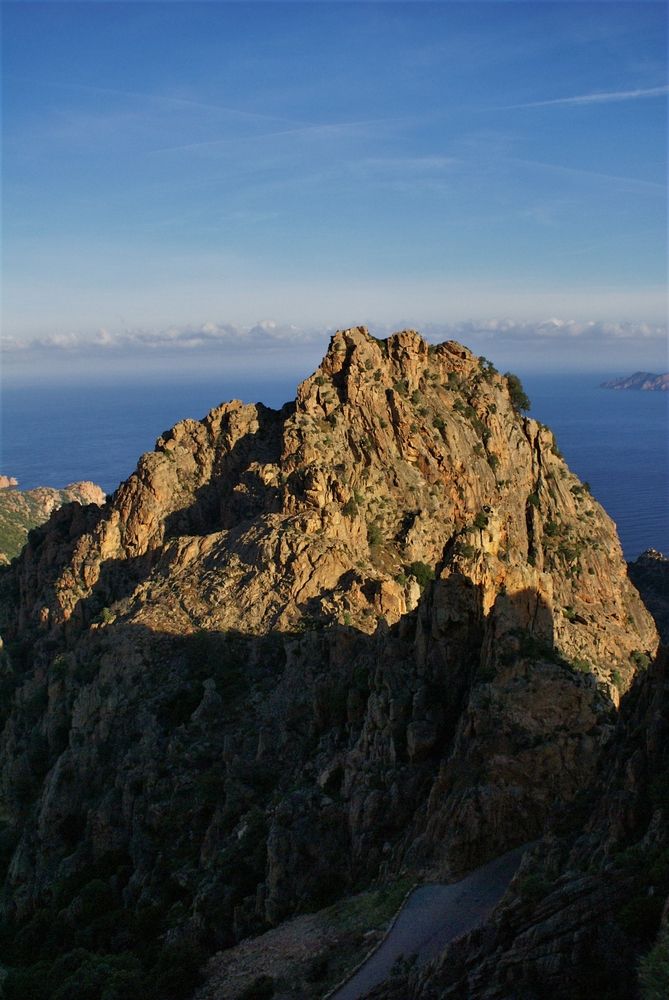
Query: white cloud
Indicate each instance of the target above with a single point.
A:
(269, 333)
(553, 329)
(209, 334)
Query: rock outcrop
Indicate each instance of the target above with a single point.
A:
(382, 630)
(22, 510)
(591, 896)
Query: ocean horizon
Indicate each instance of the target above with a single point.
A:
(57, 433)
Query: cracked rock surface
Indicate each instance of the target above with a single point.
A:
(381, 632)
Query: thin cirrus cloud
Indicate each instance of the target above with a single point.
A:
(170, 102)
(597, 97)
(316, 128)
(628, 183)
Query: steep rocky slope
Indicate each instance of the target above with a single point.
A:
(593, 895)
(21, 510)
(382, 630)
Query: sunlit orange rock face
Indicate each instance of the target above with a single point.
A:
(382, 627)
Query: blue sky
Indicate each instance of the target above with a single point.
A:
(174, 173)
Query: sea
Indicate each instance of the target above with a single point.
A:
(56, 433)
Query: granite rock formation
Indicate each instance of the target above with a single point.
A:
(591, 896)
(22, 510)
(383, 630)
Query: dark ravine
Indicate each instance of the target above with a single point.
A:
(650, 575)
(381, 635)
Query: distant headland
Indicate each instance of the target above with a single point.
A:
(640, 380)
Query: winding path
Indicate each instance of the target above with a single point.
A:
(432, 916)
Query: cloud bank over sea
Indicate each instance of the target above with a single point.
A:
(551, 344)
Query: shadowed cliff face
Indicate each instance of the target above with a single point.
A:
(590, 899)
(382, 628)
(650, 575)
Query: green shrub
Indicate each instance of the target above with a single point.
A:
(59, 668)
(488, 369)
(480, 521)
(374, 534)
(640, 660)
(103, 977)
(532, 647)
(422, 573)
(350, 508)
(569, 550)
(519, 400)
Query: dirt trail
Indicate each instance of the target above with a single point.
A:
(432, 916)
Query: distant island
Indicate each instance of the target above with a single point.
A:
(640, 380)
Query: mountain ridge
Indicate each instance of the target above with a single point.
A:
(381, 631)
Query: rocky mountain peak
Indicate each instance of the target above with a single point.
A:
(382, 628)
(396, 454)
